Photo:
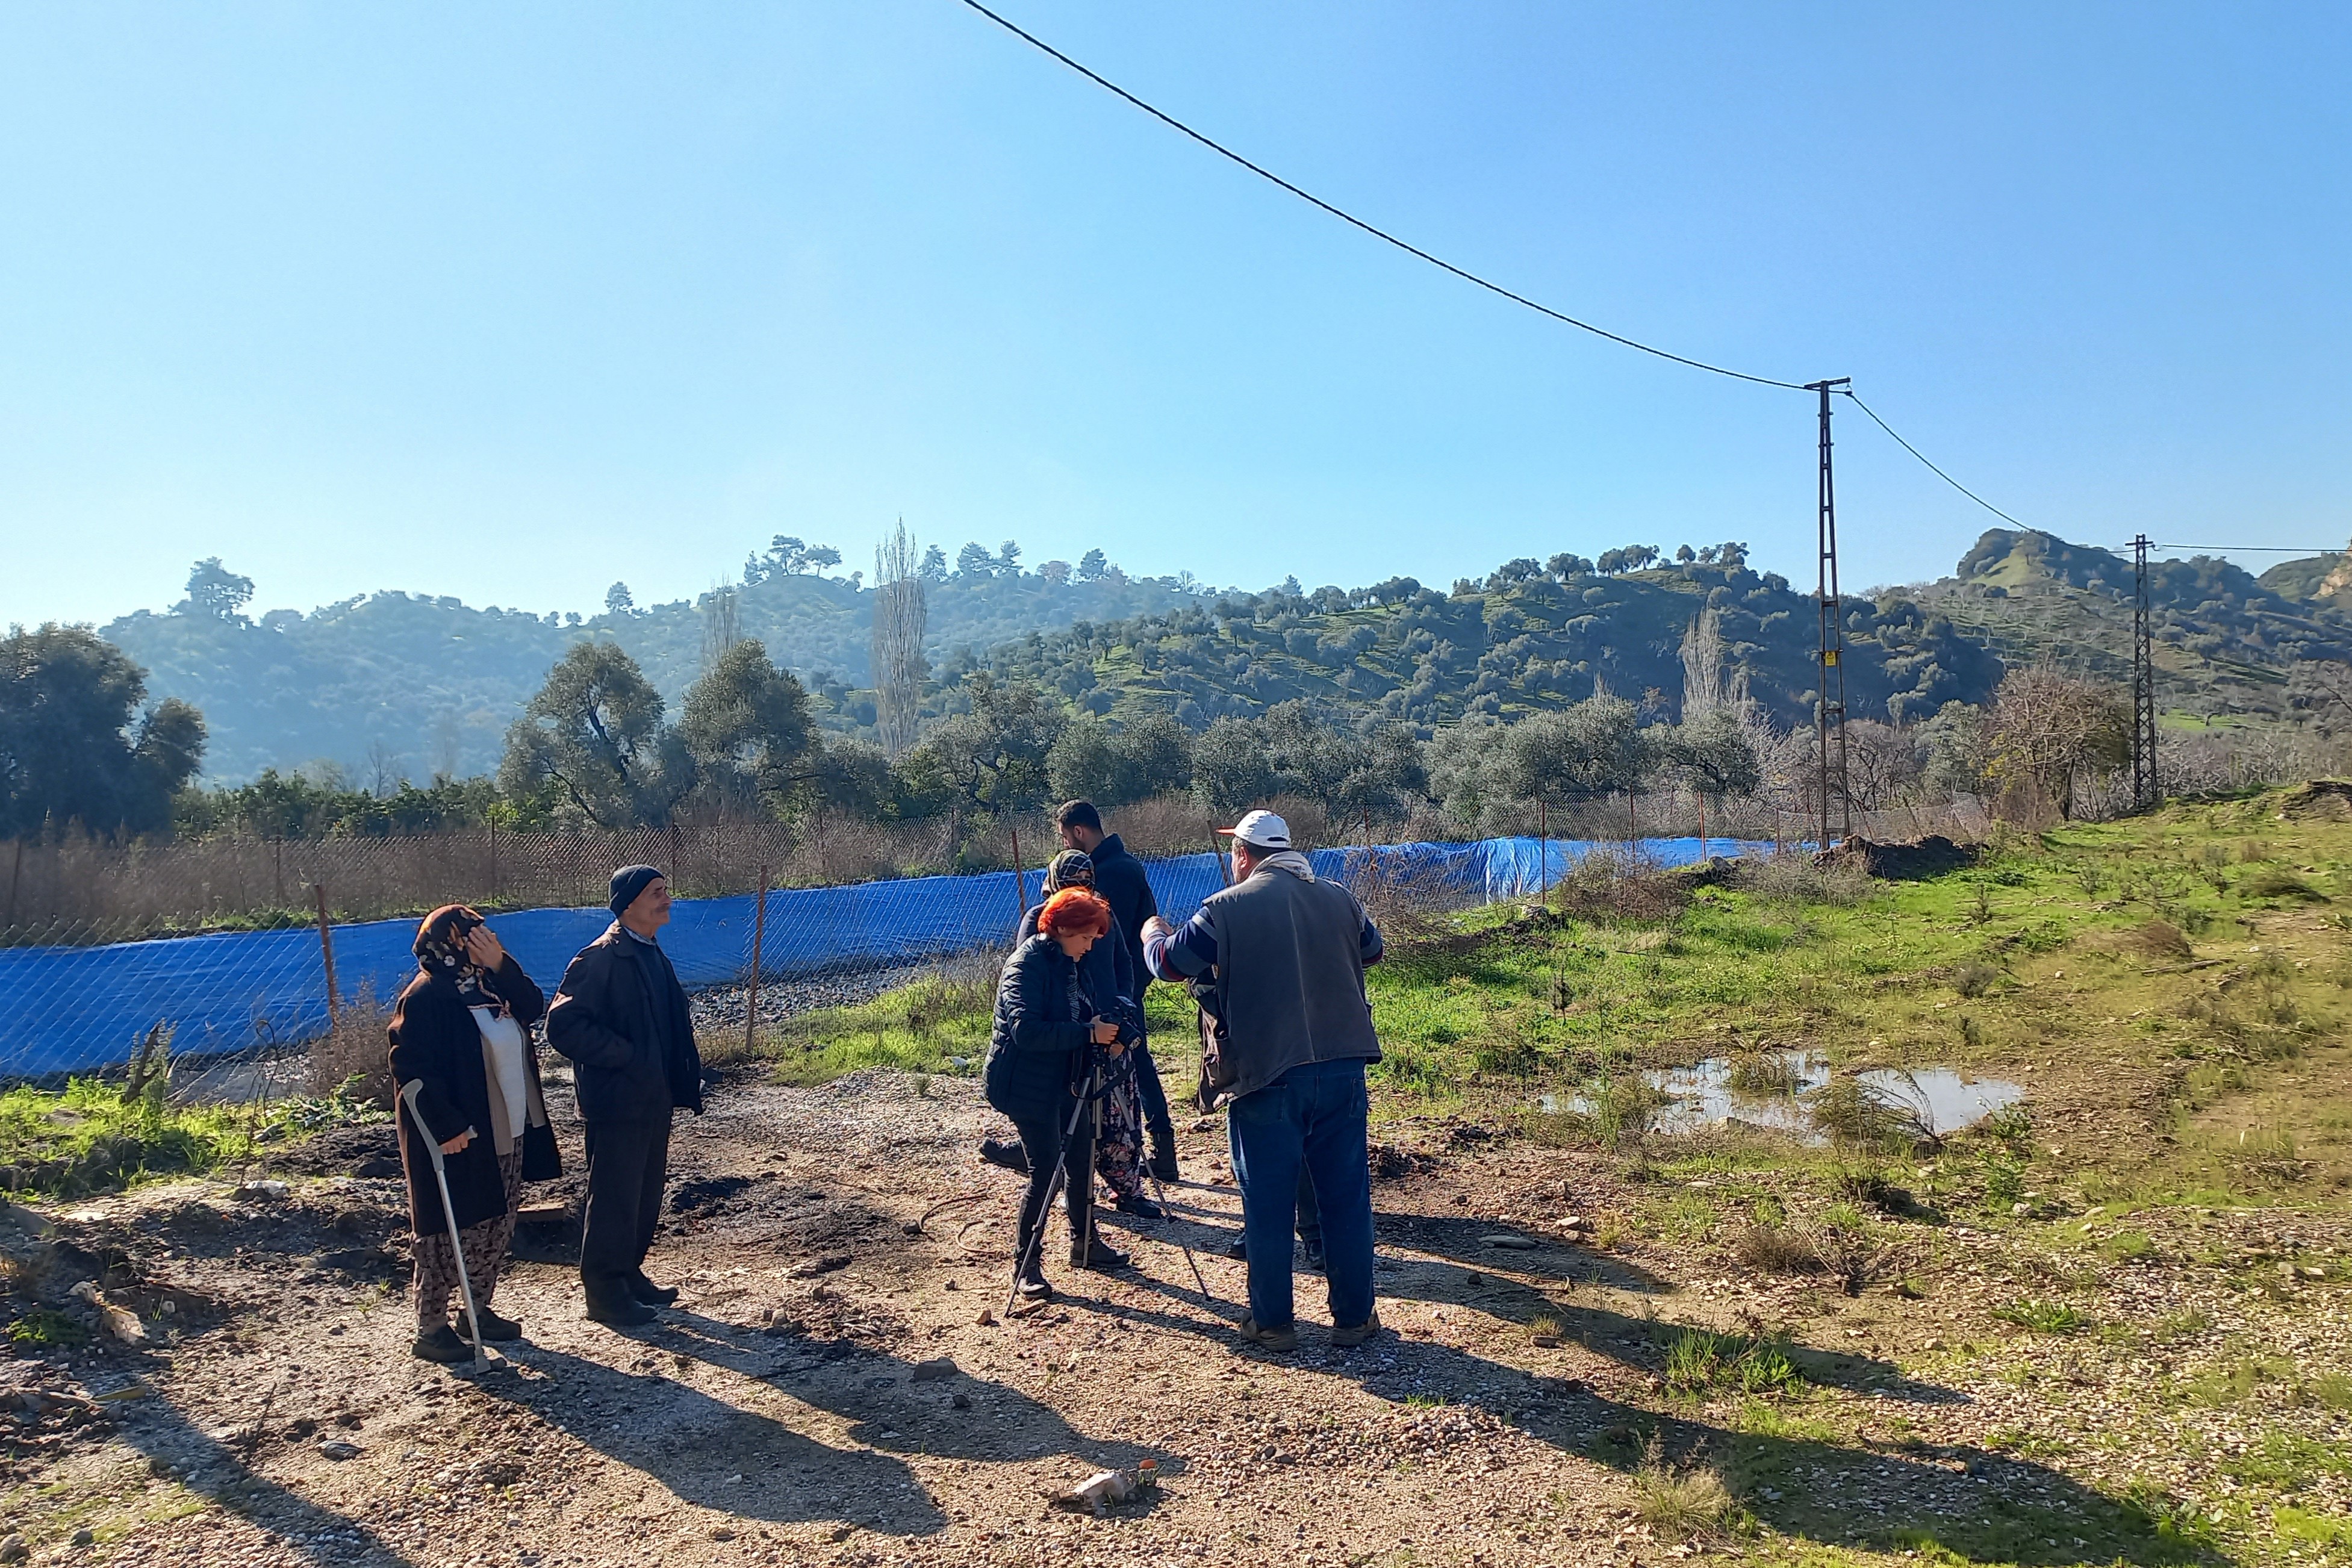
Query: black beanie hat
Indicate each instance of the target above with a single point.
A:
(628, 882)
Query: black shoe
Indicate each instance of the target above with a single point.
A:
(443, 1345)
(497, 1327)
(1011, 1156)
(622, 1314)
(1100, 1258)
(1140, 1207)
(1031, 1285)
(1238, 1249)
(652, 1294)
(1163, 1159)
(1315, 1258)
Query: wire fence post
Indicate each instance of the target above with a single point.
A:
(1020, 893)
(758, 940)
(327, 954)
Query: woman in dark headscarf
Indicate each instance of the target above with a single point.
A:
(462, 1028)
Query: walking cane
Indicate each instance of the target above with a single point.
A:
(408, 1093)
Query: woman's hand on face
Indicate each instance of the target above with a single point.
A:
(1107, 1034)
(484, 948)
(457, 1145)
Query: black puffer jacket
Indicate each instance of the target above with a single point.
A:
(1039, 1041)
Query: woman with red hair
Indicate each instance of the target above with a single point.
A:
(1038, 1054)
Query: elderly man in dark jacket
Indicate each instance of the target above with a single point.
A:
(1288, 952)
(1120, 881)
(622, 1018)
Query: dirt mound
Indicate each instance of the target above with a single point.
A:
(361, 1149)
(2318, 800)
(1930, 856)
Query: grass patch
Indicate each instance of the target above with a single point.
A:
(1698, 1360)
(1679, 1501)
(88, 1138)
(2044, 1317)
(938, 1025)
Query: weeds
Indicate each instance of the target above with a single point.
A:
(1698, 1360)
(1680, 1501)
(2043, 1317)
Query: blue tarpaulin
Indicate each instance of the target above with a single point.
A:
(68, 1010)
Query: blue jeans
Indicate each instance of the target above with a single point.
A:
(1310, 1119)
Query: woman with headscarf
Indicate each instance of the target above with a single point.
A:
(1040, 1058)
(462, 1029)
(1104, 974)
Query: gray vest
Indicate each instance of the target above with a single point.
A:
(1291, 976)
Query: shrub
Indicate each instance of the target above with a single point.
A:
(1773, 1249)
(1974, 977)
(2163, 941)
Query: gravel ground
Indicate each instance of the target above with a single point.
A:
(840, 1383)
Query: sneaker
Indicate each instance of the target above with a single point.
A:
(1140, 1207)
(1359, 1335)
(443, 1345)
(1163, 1160)
(1010, 1156)
(497, 1327)
(624, 1314)
(643, 1290)
(1100, 1258)
(1270, 1339)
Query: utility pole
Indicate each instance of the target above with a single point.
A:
(1829, 715)
(2143, 786)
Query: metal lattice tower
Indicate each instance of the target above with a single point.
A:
(2144, 785)
(1829, 711)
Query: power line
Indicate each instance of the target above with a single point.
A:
(2261, 549)
(1443, 265)
(1939, 473)
(1377, 233)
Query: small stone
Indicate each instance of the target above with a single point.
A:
(13, 1549)
(1935, 1345)
(935, 1370)
(299, 1428)
(83, 1537)
(1474, 1277)
(986, 1319)
(1514, 1243)
(830, 1263)
(336, 1448)
(960, 1402)
(268, 1191)
(1547, 1342)
(721, 1533)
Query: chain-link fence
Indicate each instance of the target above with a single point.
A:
(233, 997)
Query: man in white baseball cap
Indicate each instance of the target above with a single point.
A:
(1287, 951)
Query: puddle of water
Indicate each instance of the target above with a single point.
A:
(1704, 1095)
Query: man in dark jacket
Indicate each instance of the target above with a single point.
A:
(1120, 883)
(622, 1018)
(1289, 951)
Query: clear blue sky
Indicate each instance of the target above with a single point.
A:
(509, 302)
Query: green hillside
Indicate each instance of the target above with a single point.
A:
(1526, 638)
(2226, 642)
(431, 684)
